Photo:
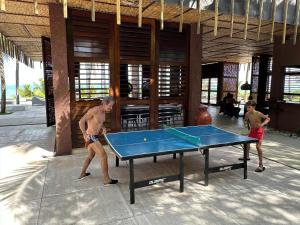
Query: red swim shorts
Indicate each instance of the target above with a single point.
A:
(257, 133)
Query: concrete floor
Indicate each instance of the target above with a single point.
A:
(36, 188)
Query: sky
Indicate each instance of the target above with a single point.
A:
(27, 75)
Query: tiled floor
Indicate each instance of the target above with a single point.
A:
(36, 188)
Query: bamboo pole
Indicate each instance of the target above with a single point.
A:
(216, 17)
(36, 10)
(199, 17)
(286, 7)
(2, 5)
(162, 5)
(181, 17)
(140, 13)
(296, 21)
(273, 20)
(232, 18)
(93, 12)
(118, 2)
(261, 6)
(246, 19)
(65, 2)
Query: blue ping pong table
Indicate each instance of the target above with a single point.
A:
(148, 143)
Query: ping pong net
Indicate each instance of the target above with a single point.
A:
(187, 137)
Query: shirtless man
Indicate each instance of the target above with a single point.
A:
(95, 118)
(257, 121)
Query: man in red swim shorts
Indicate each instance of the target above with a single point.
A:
(257, 121)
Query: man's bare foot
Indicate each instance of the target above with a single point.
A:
(82, 176)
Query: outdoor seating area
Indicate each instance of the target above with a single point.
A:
(149, 112)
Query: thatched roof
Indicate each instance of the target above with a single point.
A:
(20, 24)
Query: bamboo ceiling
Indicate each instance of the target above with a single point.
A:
(20, 24)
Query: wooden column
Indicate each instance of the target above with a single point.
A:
(3, 85)
(60, 79)
(116, 85)
(17, 82)
(154, 77)
(195, 64)
(262, 80)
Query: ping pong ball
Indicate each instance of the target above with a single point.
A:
(145, 139)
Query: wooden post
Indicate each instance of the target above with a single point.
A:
(194, 74)
(60, 79)
(17, 82)
(154, 78)
(286, 7)
(273, 20)
(199, 17)
(246, 19)
(261, 5)
(216, 17)
(3, 85)
(232, 18)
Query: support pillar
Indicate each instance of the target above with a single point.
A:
(3, 85)
(60, 79)
(195, 73)
(17, 83)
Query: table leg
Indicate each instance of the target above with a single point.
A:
(206, 153)
(131, 181)
(154, 159)
(181, 171)
(245, 161)
(117, 161)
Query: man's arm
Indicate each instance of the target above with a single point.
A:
(83, 121)
(265, 118)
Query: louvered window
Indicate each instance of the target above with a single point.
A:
(292, 85)
(269, 78)
(171, 81)
(91, 80)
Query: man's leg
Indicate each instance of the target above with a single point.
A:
(100, 152)
(87, 161)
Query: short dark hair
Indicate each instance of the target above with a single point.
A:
(107, 99)
(251, 103)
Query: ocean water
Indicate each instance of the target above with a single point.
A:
(10, 91)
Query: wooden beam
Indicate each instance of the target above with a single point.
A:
(261, 5)
(2, 5)
(246, 19)
(65, 2)
(286, 7)
(181, 17)
(199, 17)
(232, 18)
(93, 11)
(297, 11)
(216, 17)
(36, 10)
(273, 20)
(118, 5)
(162, 8)
(140, 13)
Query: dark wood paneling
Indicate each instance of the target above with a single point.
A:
(48, 79)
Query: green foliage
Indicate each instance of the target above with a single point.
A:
(25, 91)
(39, 88)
